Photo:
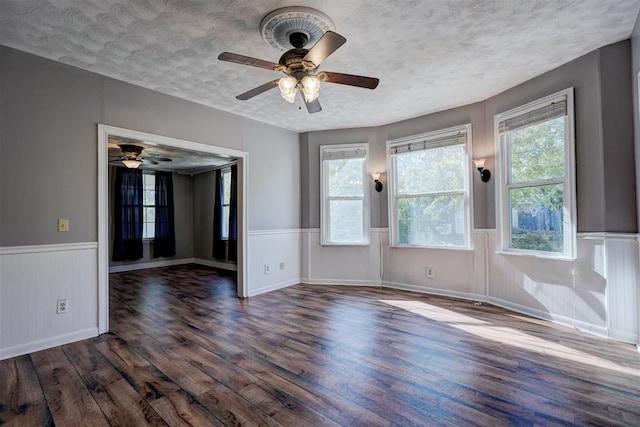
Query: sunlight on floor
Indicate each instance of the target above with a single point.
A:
(507, 336)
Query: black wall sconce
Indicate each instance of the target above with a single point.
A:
(485, 174)
(376, 179)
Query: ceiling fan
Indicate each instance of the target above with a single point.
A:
(132, 158)
(301, 69)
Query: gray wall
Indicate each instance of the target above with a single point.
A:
(604, 150)
(183, 220)
(48, 142)
(605, 189)
(204, 185)
(617, 131)
(635, 69)
(49, 151)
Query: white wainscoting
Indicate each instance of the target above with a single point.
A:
(597, 292)
(32, 280)
(342, 265)
(623, 275)
(273, 247)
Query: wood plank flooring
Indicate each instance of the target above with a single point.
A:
(185, 351)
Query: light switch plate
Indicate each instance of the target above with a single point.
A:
(63, 225)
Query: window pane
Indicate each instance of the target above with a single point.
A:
(149, 214)
(345, 221)
(433, 170)
(345, 177)
(226, 187)
(537, 152)
(432, 220)
(148, 231)
(537, 218)
(225, 222)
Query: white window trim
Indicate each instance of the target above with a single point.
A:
(324, 211)
(144, 222)
(468, 200)
(569, 188)
(226, 169)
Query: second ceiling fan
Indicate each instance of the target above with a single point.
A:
(301, 69)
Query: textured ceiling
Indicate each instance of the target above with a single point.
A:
(167, 158)
(430, 55)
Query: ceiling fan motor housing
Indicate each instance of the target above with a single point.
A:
(131, 151)
(298, 40)
(294, 65)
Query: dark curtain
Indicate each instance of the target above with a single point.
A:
(233, 215)
(164, 240)
(127, 215)
(218, 243)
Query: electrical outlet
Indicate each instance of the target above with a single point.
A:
(267, 268)
(282, 266)
(62, 307)
(63, 225)
(430, 272)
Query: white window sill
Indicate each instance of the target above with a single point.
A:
(539, 255)
(446, 248)
(345, 244)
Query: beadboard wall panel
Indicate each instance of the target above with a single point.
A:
(597, 292)
(341, 265)
(622, 280)
(571, 292)
(32, 280)
(273, 247)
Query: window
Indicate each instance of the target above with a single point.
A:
(537, 193)
(226, 202)
(345, 195)
(149, 205)
(430, 201)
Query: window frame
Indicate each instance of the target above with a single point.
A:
(432, 137)
(324, 197)
(145, 206)
(225, 170)
(503, 180)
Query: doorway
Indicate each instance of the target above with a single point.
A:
(104, 133)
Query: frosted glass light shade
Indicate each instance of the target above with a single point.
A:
(288, 88)
(310, 87)
(479, 162)
(132, 163)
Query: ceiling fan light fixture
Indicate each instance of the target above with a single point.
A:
(132, 163)
(310, 87)
(288, 88)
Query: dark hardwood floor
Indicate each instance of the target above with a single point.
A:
(185, 351)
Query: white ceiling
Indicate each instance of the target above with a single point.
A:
(430, 55)
(160, 157)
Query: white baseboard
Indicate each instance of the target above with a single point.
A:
(34, 346)
(555, 318)
(434, 291)
(172, 262)
(146, 265)
(274, 287)
(340, 282)
(216, 264)
(622, 336)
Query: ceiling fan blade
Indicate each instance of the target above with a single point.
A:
(247, 60)
(313, 106)
(328, 43)
(351, 80)
(258, 90)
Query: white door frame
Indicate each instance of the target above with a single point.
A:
(103, 207)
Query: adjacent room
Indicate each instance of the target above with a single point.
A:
(319, 213)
